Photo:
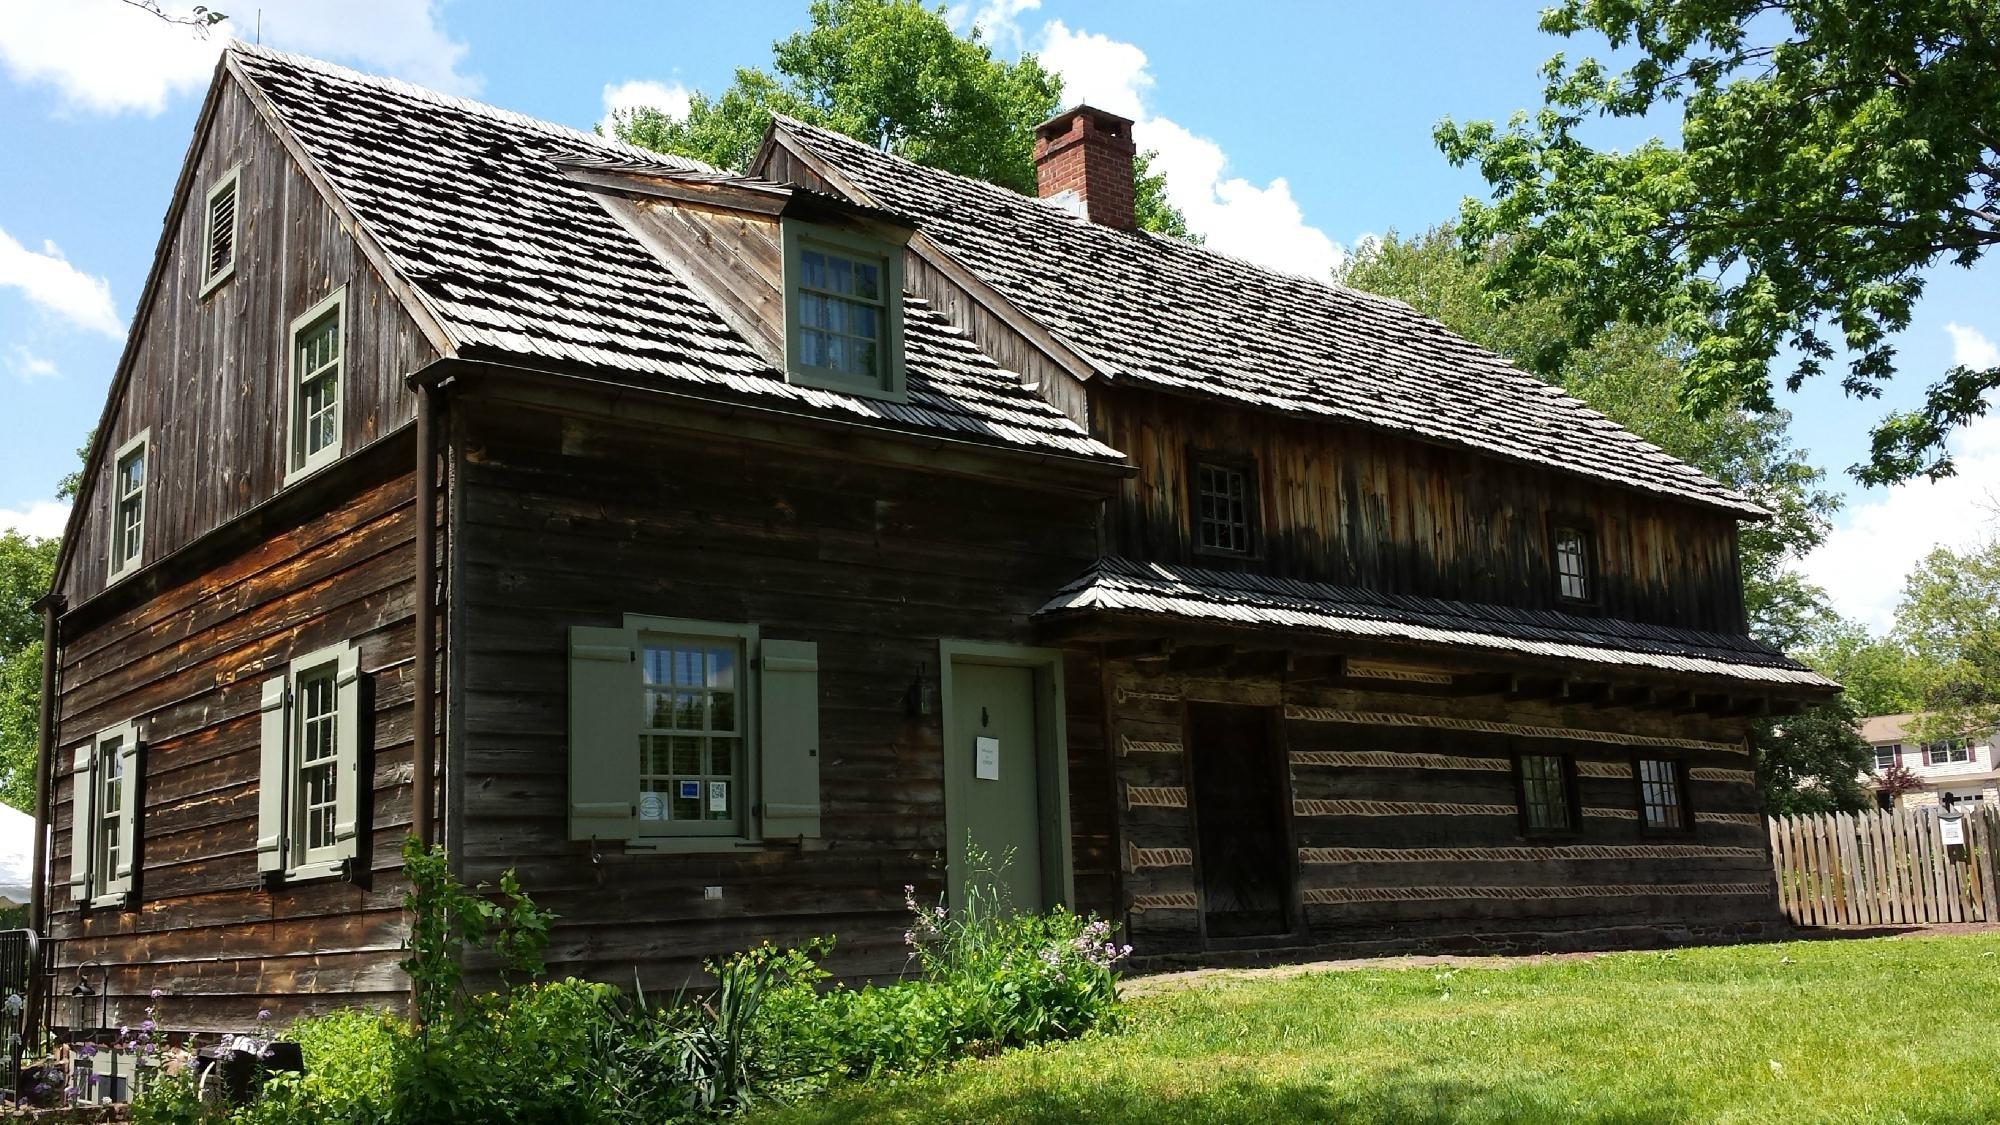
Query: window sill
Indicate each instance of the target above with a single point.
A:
(688, 845)
(309, 872)
(318, 462)
(214, 283)
(115, 901)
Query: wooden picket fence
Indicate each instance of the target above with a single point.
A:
(1886, 868)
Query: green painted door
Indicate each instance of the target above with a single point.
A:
(992, 781)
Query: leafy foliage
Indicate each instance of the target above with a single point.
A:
(1832, 151)
(27, 565)
(1812, 762)
(893, 74)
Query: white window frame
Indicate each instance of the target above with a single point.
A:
(1948, 747)
(703, 835)
(891, 380)
(95, 880)
(281, 808)
(1585, 557)
(1894, 750)
(120, 566)
(229, 184)
(298, 463)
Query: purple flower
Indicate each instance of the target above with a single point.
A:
(86, 1049)
(263, 1014)
(148, 1025)
(157, 993)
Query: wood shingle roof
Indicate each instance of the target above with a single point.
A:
(1165, 313)
(515, 261)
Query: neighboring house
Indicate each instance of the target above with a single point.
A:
(1958, 769)
(723, 553)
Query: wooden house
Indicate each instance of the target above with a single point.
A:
(725, 552)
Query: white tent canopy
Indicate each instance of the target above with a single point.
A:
(17, 855)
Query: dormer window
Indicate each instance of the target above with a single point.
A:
(843, 310)
(219, 234)
(1575, 560)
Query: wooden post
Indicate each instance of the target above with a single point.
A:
(45, 753)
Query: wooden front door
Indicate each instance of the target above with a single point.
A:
(1241, 821)
(993, 781)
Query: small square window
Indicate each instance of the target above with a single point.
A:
(1223, 503)
(128, 507)
(1886, 755)
(843, 310)
(1662, 803)
(1545, 794)
(1573, 564)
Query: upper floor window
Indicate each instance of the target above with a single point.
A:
(1662, 797)
(105, 810)
(316, 385)
(1224, 501)
(1947, 751)
(1886, 755)
(128, 506)
(1574, 578)
(219, 235)
(843, 310)
(309, 777)
(1547, 793)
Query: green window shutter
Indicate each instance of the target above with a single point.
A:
(347, 748)
(82, 807)
(271, 777)
(605, 704)
(120, 881)
(788, 688)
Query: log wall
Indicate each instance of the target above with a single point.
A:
(566, 521)
(1405, 818)
(186, 666)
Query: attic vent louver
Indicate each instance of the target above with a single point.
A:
(219, 260)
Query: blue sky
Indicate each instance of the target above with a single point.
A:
(1287, 131)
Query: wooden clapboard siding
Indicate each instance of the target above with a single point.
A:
(566, 521)
(207, 376)
(1406, 820)
(1350, 505)
(186, 666)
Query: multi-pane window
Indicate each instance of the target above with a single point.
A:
(842, 317)
(110, 810)
(1545, 803)
(1886, 755)
(128, 507)
(1223, 502)
(104, 814)
(1661, 802)
(691, 743)
(1947, 751)
(1572, 548)
(317, 377)
(219, 248)
(318, 762)
(308, 801)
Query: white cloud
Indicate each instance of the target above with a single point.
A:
(1261, 224)
(29, 367)
(1970, 348)
(40, 519)
(1862, 564)
(642, 94)
(998, 21)
(104, 56)
(48, 280)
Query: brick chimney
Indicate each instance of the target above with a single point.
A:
(1084, 156)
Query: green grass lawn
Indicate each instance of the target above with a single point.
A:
(1864, 1030)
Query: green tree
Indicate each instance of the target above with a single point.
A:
(893, 74)
(27, 565)
(1948, 623)
(1877, 675)
(1628, 373)
(1832, 152)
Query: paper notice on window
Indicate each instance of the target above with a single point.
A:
(986, 758)
(652, 806)
(1951, 829)
(718, 796)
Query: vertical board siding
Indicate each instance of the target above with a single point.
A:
(1410, 832)
(208, 375)
(186, 667)
(1877, 868)
(1349, 505)
(568, 522)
